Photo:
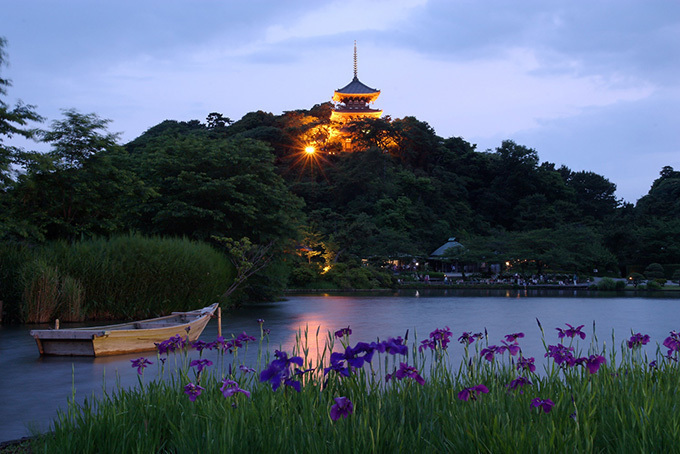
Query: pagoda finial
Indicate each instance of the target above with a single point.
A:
(355, 59)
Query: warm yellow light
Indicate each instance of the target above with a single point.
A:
(326, 269)
(310, 150)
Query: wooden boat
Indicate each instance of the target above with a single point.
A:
(122, 338)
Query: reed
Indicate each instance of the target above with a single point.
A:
(71, 300)
(333, 395)
(41, 292)
(123, 277)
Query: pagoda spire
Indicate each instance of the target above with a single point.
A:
(355, 60)
(353, 100)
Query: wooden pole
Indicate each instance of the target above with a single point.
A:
(219, 321)
(56, 324)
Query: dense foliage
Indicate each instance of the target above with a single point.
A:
(122, 277)
(399, 194)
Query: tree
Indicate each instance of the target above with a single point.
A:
(594, 194)
(247, 258)
(663, 198)
(83, 186)
(13, 121)
(654, 271)
(206, 186)
(78, 137)
(216, 120)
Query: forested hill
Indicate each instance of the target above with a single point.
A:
(407, 191)
(402, 192)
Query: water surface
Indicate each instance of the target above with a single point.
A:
(32, 388)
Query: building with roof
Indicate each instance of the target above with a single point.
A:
(353, 101)
(439, 260)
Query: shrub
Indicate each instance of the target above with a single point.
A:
(607, 284)
(654, 271)
(653, 285)
(636, 278)
(303, 275)
(620, 285)
(676, 276)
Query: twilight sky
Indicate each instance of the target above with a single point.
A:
(593, 85)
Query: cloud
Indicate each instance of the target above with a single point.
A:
(341, 17)
(591, 85)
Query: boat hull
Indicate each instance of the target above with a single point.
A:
(125, 338)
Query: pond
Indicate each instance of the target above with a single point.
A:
(32, 388)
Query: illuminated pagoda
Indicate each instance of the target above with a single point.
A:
(352, 101)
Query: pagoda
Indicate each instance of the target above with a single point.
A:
(352, 101)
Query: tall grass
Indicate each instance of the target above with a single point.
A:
(41, 292)
(624, 406)
(120, 277)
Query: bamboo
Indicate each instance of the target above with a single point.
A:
(219, 321)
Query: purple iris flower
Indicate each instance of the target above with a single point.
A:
(219, 344)
(199, 345)
(238, 342)
(489, 352)
(513, 349)
(337, 365)
(200, 364)
(359, 354)
(672, 342)
(278, 372)
(472, 393)
(439, 337)
(140, 364)
(193, 391)
(593, 363)
(427, 343)
(245, 369)
(342, 408)
(393, 346)
(468, 338)
(519, 382)
(343, 332)
(230, 388)
(561, 354)
(171, 345)
(637, 340)
(545, 404)
(513, 337)
(406, 371)
(243, 337)
(260, 321)
(571, 332)
(526, 364)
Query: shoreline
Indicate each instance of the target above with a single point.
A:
(588, 287)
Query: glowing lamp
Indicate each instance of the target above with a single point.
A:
(310, 150)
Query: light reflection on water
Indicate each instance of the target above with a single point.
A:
(32, 388)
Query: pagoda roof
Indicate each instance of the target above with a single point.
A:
(356, 87)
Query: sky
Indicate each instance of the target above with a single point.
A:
(593, 85)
